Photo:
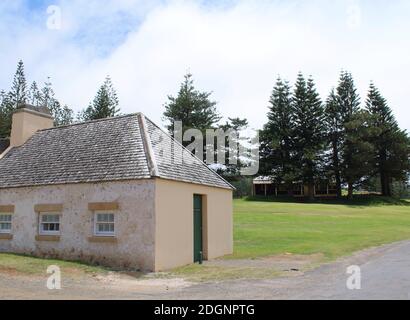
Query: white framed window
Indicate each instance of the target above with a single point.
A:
(5, 222)
(49, 224)
(104, 224)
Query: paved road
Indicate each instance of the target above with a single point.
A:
(385, 274)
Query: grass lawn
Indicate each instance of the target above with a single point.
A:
(268, 228)
(22, 264)
(263, 228)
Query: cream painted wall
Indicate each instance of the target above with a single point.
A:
(174, 222)
(134, 224)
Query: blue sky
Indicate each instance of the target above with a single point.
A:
(234, 48)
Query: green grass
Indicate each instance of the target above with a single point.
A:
(200, 273)
(265, 228)
(22, 264)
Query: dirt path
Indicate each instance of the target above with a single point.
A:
(385, 275)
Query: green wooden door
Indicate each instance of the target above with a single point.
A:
(197, 227)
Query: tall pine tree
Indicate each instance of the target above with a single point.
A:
(232, 171)
(391, 145)
(12, 100)
(356, 150)
(46, 98)
(308, 132)
(104, 105)
(34, 95)
(194, 108)
(18, 93)
(5, 114)
(334, 132)
(276, 143)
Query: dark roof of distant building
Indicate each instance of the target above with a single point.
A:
(4, 144)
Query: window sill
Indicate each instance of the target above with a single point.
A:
(99, 239)
(6, 236)
(47, 238)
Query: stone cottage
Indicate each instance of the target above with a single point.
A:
(117, 191)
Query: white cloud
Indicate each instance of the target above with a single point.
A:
(235, 50)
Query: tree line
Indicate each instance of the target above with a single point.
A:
(105, 104)
(308, 140)
(304, 139)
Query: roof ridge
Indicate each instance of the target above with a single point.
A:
(92, 121)
(192, 155)
(151, 161)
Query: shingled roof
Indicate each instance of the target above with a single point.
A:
(122, 148)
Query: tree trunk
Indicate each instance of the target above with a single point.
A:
(338, 185)
(383, 182)
(384, 176)
(350, 191)
(387, 185)
(336, 169)
(388, 189)
(311, 191)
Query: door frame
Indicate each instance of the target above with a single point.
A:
(204, 225)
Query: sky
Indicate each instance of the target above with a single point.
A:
(235, 49)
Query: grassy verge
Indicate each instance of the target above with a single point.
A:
(22, 264)
(206, 272)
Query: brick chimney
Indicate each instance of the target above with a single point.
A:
(27, 120)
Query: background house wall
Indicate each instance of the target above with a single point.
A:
(134, 225)
(174, 222)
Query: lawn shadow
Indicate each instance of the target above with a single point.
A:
(357, 201)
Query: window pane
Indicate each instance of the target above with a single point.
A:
(5, 226)
(5, 218)
(104, 223)
(50, 227)
(50, 218)
(105, 217)
(105, 227)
